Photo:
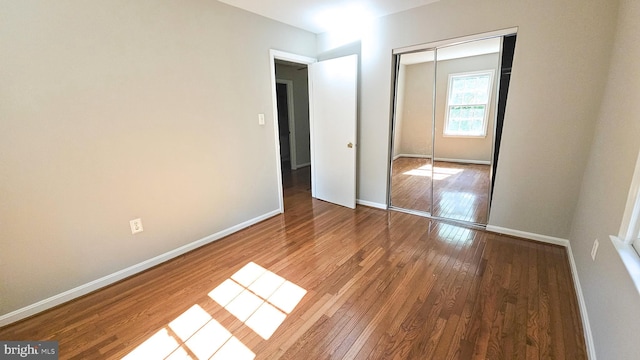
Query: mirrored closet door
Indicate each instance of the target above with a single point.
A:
(445, 117)
(412, 150)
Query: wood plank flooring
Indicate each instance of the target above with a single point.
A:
(411, 183)
(326, 282)
(460, 191)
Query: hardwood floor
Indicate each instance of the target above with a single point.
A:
(411, 184)
(460, 191)
(332, 283)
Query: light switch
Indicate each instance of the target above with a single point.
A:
(260, 119)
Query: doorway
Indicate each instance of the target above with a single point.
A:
(331, 91)
(286, 122)
(291, 112)
(293, 128)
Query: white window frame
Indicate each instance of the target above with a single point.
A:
(487, 105)
(630, 228)
(627, 243)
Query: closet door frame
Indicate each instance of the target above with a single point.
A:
(434, 46)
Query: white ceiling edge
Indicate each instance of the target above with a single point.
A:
(319, 16)
(472, 48)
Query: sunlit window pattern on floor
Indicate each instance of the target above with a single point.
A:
(254, 295)
(259, 298)
(439, 173)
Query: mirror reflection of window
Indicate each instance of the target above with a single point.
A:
(468, 103)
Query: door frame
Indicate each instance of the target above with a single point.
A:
(292, 121)
(300, 59)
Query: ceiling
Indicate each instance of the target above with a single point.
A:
(320, 16)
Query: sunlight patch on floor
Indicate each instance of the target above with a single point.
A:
(453, 234)
(458, 205)
(259, 298)
(254, 295)
(192, 335)
(439, 173)
(158, 346)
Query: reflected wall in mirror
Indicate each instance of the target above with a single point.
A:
(413, 132)
(443, 136)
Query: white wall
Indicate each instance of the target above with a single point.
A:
(613, 303)
(115, 110)
(414, 111)
(549, 118)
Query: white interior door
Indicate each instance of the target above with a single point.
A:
(333, 115)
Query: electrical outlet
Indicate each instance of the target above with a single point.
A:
(136, 226)
(594, 249)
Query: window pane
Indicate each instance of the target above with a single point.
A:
(470, 89)
(468, 103)
(466, 120)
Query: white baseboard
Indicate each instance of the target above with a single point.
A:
(462, 161)
(371, 204)
(465, 161)
(588, 337)
(418, 156)
(124, 273)
(528, 235)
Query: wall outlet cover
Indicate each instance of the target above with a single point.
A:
(136, 226)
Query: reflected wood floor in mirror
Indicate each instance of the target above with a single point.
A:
(325, 282)
(411, 184)
(460, 191)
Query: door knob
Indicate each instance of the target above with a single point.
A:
(350, 145)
